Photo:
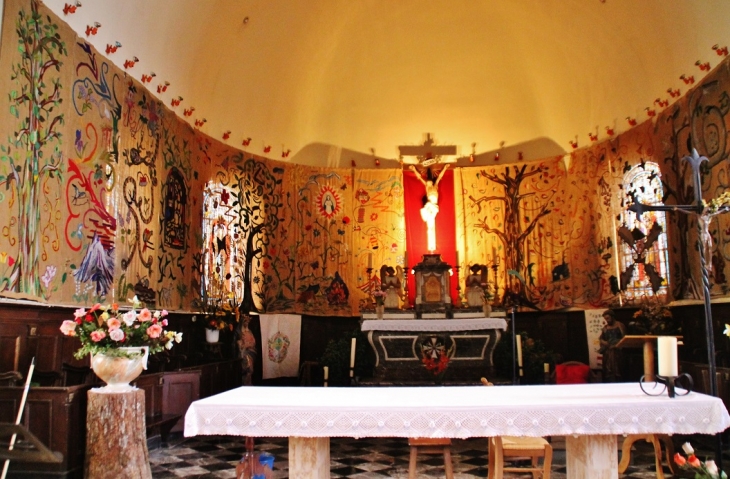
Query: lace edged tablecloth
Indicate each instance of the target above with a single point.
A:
(434, 325)
(457, 412)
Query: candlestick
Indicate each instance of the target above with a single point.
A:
(457, 258)
(352, 353)
(667, 354)
(518, 342)
(405, 257)
(370, 260)
(546, 367)
(326, 373)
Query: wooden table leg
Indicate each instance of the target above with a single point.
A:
(591, 456)
(309, 457)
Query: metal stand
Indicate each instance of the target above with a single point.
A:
(514, 348)
(695, 160)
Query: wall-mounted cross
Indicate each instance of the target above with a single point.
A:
(426, 154)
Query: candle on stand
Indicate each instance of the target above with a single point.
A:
(667, 356)
(518, 341)
(370, 260)
(326, 373)
(352, 353)
(546, 367)
(457, 258)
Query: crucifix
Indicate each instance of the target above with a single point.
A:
(426, 156)
(704, 215)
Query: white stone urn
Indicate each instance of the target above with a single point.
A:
(118, 371)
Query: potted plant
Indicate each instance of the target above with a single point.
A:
(119, 342)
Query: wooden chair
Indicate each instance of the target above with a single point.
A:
(75, 375)
(426, 445)
(518, 448)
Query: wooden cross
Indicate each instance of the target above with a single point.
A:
(428, 153)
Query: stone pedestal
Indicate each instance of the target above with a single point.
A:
(309, 457)
(116, 441)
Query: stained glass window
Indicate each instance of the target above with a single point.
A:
(220, 249)
(643, 184)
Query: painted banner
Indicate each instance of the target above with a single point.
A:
(280, 339)
(594, 326)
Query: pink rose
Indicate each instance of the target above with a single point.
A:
(97, 335)
(116, 334)
(164, 322)
(145, 315)
(154, 331)
(80, 313)
(69, 328)
(113, 324)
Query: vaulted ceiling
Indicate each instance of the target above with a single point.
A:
(335, 80)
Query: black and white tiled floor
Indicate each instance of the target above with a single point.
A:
(369, 458)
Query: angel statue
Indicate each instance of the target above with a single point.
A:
(391, 284)
(476, 285)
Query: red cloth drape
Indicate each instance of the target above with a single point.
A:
(416, 231)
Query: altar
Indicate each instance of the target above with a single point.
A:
(428, 351)
(589, 415)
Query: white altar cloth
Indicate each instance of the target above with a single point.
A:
(434, 325)
(456, 412)
(589, 415)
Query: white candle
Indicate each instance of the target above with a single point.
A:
(370, 260)
(519, 350)
(352, 353)
(667, 356)
(326, 373)
(546, 367)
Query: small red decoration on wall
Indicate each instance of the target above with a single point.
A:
(176, 101)
(69, 9)
(520, 156)
(705, 67)
(200, 123)
(93, 29)
(592, 136)
(353, 164)
(247, 141)
(661, 103)
(285, 154)
(267, 148)
(650, 112)
(226, 134)
(632, 121)
(130, 63)
(609, 131)
(574, 143)
(496, 156)
(112, 48)
(148, 78)
(673, 93)
(189, 111)
(720, 51)
(688, 80)
(162, 87)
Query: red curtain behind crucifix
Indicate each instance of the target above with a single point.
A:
(416, 231)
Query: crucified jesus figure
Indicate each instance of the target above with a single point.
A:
(431, 205)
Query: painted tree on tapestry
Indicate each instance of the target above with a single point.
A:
(258, 200)
(518, 223)
(30, 164)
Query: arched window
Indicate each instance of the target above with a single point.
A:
(643, 184)
(220, 248)
(175, 210)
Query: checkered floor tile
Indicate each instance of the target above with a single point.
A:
(217, 456)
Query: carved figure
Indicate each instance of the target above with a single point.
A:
(476, 285)
(391, 284)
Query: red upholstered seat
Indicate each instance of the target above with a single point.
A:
(572, 373)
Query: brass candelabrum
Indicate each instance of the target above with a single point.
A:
(495, 268)
(369, 271)
(459, 298)
(406, 301)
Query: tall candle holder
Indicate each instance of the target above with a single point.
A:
(669, 384)
(495, 268)
(459, 298)
(406, 299)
